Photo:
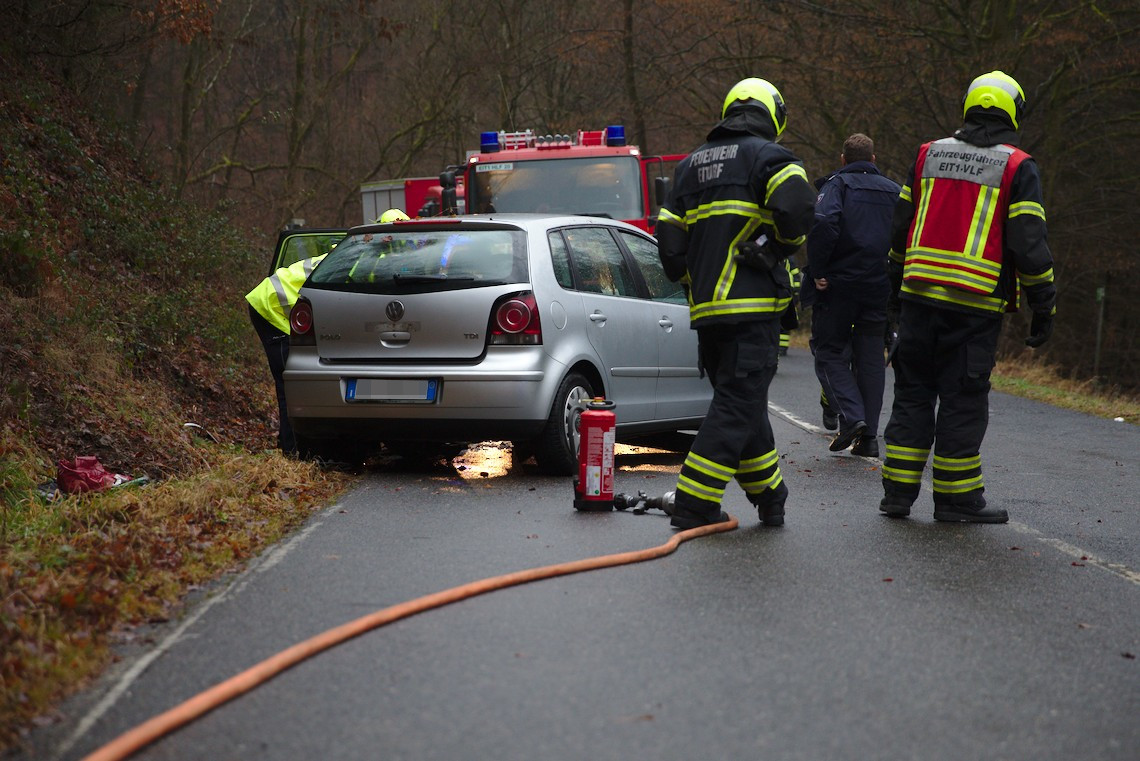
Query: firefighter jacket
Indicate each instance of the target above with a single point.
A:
(851, 235)
(274, 297)
(969, 227)
(736, 187)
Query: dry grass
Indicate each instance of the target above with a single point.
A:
(78, 571)
(1033, 379)
(1043, 382)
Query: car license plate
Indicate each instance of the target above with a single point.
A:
(392, 390)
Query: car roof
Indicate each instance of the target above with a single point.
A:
(533, 222)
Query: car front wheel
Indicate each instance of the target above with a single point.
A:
(556, 448)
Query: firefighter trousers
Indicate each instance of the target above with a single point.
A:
(942, 384)
(735, 440)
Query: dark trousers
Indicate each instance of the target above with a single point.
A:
(942, 384)
(276, 346)
(735, 440)
(848, 323)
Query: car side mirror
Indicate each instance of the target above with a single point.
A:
(661, 190)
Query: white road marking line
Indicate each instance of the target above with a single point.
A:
(1078, 554)
(267, 561)
(1072, 551)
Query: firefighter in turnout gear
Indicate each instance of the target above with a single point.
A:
(740, 205)
(968, 242)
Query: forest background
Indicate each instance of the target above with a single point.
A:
(277, 110)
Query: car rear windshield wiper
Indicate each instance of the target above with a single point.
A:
(428, 278)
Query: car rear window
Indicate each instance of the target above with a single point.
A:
(424, 260)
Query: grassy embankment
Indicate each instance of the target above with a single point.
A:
(124, 319)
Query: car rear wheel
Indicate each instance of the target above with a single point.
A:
(556, 448)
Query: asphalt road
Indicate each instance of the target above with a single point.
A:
(842, 635)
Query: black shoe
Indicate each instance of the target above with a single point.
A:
(845, 436)
(771, 510)
(895, 507)
(686, 519)
(866, 446)
(830, 420)
(970, 512)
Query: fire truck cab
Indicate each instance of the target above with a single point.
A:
(592, 173)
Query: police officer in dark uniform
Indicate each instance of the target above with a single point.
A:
(847, 257)
(968, 237)
(740, 205)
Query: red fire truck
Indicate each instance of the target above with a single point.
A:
(593, 173)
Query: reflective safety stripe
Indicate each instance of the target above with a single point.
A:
(905, 194)
(782, 176)
(708, 467)
(716, 208)
(896, 452)
(957, 463)
(1026, 207)
(958, 487)
(738, 306)
(902, 475)
(664, 215)
(758, 474)
(954, 296)
(926, 185)
(949, 267)
(1044, 277)
(761, 485)
(757, 464)
(982, 220)
(699, 490)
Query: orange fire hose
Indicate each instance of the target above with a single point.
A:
(144, 734)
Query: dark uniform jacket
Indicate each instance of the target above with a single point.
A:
(850, 238)
(736, 187)
(1026, 259)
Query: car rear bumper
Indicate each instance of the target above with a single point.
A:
(506, 396)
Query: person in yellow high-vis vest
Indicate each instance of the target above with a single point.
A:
(968, 242)
(269, 306)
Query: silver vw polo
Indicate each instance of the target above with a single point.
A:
(490, 327)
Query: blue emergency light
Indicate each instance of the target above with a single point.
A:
(615, 135)
(489, 142)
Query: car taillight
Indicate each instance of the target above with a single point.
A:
(301, 324)
(514, 321)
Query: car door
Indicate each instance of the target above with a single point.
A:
(618, 319)
(681, 392)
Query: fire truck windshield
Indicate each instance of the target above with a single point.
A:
(598, 186)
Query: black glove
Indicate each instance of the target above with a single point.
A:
(1040, 329)
(757, 256)
(790, 319)
(891, 334)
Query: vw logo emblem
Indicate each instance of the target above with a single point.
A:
(394, 311)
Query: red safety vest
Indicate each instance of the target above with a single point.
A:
(956, 243)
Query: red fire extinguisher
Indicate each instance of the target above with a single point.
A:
(594, 484)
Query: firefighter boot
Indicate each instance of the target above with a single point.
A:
(770, 507)
(895, 506)
(684, 518)
(974, 511)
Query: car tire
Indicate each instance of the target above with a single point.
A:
(556, 448)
